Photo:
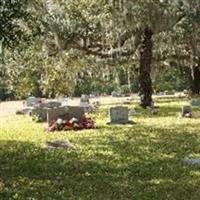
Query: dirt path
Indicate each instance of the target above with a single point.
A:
(10, 107)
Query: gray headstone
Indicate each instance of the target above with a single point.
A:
(195, 102)
(185, 92)
(41, 113)
(86, 107)
(32, 101)
(116, 94)
(66, 112)
(94, 94)
(192, 161)
(50, 104)
(161, 93)
(118, 115)
(84, 98)
(169, 92)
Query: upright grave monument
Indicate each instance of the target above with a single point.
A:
(119, 115)
(66, 112)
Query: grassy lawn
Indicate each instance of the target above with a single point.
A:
(141, 161)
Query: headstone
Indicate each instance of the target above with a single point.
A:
(118, 115)
(185, 92)
(192, 161)
(54, 113)
(84, 98)
(195, 102)
(32, 101)
(50, 104)
(186, 111)
(40, 112)
(161, 93)
(116, 94)
(86, 106)
(95, 94)
(169, 92)
(92, 96)
(65, 112)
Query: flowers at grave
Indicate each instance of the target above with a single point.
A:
(72, 124)
(188, 115)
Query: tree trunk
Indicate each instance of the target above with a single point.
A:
(145, 83)
(195, 78)
(122, 76)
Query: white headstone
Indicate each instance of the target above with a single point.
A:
(118, 115)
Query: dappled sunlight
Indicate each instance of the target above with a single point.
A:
(139, 160)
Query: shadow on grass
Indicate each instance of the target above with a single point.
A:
(156, 166)
(30, 172)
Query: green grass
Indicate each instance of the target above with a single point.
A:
(141, 161)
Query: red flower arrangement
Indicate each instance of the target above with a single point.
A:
(72, 124)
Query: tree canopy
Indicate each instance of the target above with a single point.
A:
(53, 47)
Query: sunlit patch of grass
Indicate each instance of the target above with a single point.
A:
(141, 161)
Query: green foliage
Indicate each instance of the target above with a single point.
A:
(170, 80)
(48, 44)
(14, 18)
(125, 89)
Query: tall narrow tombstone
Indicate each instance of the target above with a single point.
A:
(118, 115)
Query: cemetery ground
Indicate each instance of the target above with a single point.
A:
(140, 161)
